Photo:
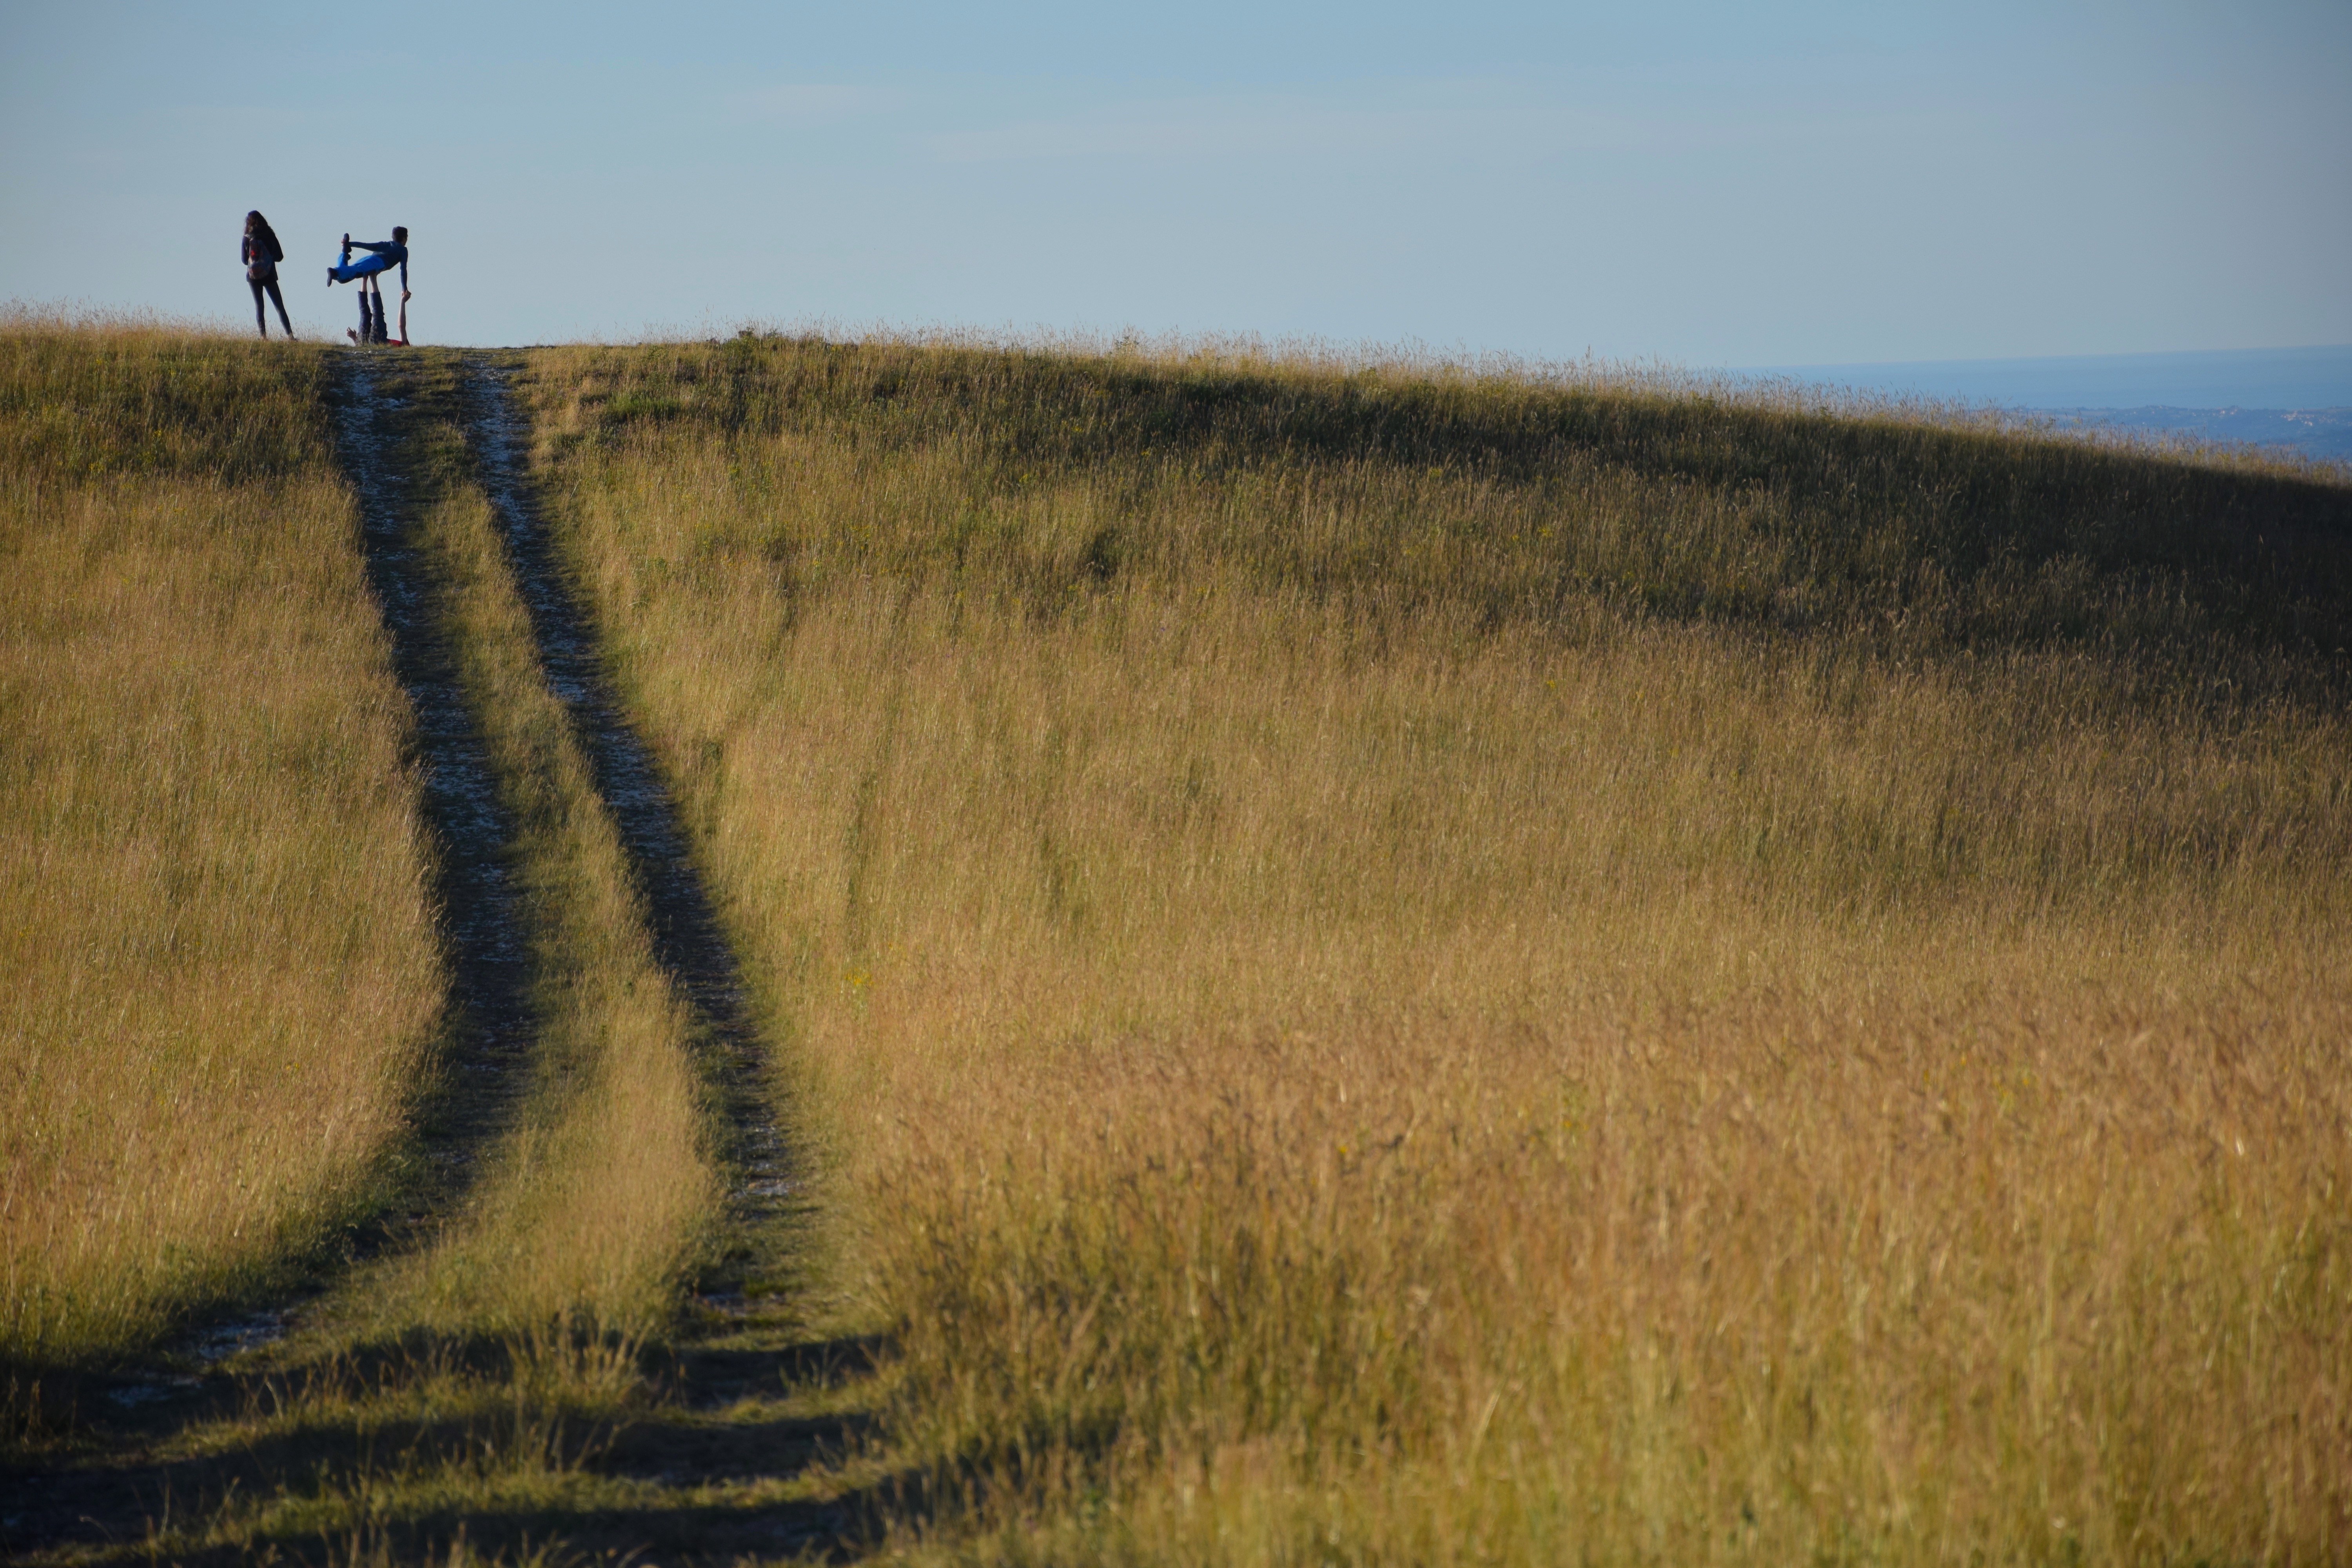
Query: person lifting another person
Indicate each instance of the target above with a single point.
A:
(383, 256)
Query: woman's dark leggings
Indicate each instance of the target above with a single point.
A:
(275, 299)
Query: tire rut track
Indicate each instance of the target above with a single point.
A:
(688, 942)
(490, 1025)
(736, 1348)
(489, 1029)
(489, 950)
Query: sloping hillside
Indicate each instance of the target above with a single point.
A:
(1403, 966)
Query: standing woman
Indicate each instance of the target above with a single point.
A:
(261, 253)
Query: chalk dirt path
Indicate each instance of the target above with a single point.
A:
(723, 1463)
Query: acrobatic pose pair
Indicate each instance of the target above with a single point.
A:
(383, 256)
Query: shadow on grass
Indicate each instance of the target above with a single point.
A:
(747, 1441)
(1874, 512)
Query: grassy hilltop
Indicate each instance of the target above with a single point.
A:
(1409, 966)
(1364, 962)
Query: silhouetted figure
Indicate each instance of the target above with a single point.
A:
(383, 256)
(261, 253)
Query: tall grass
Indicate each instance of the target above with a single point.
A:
(218, 977)
(221, 981)
(446, 1398)
(594, 1206)
(1396, 966)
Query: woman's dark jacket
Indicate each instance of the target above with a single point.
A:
(261, 253)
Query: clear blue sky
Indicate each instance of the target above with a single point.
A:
(1710, 184)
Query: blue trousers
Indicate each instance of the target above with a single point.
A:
(367, 266)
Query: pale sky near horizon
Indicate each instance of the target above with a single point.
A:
(1706, 184)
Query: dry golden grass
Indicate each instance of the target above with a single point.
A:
(591, 1211)
(1402, 967)
(443, 1394)
(218, 979)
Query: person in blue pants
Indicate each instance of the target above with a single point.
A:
(382, 256)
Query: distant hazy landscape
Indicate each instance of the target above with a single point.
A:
(2296, 398)
(2315, 432)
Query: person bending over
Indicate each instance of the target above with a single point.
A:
(261, 253)
(382, 256)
